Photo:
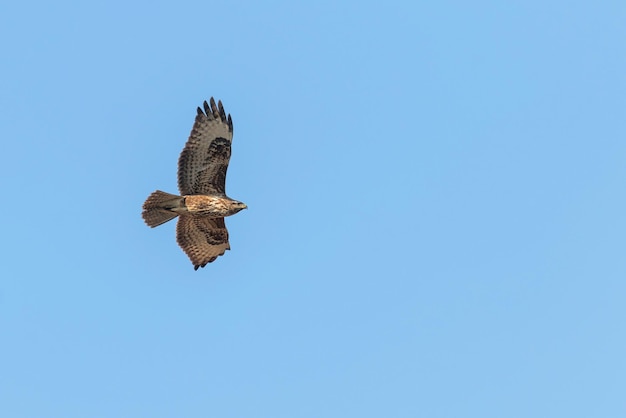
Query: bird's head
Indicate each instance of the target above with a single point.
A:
(238, 206)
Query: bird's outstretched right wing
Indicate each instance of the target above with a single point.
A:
(203, 163)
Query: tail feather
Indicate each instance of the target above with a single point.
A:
(159, 208)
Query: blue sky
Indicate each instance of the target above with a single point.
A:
(436, 203)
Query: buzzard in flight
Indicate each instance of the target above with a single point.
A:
(202, 204)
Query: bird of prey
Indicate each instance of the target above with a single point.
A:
(202, 203)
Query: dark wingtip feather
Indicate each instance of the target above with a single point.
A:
(195, 267)
(230, 123)
(207, 110)
(200, 112)
(216, 112)
(222, 111)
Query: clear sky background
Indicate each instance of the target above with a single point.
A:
(436, 223)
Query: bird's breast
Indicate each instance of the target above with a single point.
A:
(206, 205)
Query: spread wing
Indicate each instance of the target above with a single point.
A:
(202, 239)
(203, 163)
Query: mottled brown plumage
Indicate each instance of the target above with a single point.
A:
(203, 204)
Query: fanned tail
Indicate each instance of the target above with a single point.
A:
(160, 208)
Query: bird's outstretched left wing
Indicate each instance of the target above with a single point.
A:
(202, 239)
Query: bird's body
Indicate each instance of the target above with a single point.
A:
(211, 206)
(161, 205)
(203, 204)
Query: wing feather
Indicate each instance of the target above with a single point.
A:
(202, 239)
(204, 160)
